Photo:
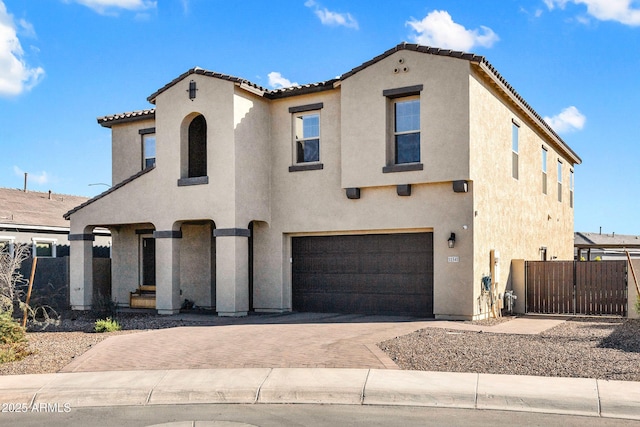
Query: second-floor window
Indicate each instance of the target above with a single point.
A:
(406, 131)
(307, 137)
(544, 170)
(571, 184)
(197, 140)
(514, 149)
(148, 147)
(559, 181)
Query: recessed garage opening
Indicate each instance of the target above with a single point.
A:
(365, 274)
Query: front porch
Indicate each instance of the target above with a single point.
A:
(194, 261)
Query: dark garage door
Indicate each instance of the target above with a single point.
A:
(370, 274)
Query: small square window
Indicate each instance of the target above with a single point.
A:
(44, 248)
(307, 137)
(6, 245)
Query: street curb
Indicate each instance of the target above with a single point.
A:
(571, 396)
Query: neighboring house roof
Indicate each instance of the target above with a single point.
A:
(481, 63)
(33, 210)
(602, 241)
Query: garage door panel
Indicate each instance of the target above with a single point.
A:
(373, 274)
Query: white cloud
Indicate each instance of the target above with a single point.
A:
(109, 6)
(437, 29)
(276, 80)
(39, 178)
(622, 11)
(328, 17)
(568, 120)
(15, 75)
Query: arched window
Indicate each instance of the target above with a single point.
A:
(197, 147)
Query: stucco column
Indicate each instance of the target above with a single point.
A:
(167, 271)
(232, 271)
(81, 271)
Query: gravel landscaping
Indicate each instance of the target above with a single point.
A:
(580, 347)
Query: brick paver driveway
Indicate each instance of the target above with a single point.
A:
(288, 340)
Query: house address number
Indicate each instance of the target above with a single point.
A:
(453, 259)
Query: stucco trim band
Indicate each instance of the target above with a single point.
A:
(77, 237)
(231, 232)
(167, 234)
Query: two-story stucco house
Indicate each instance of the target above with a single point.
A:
(384, 190)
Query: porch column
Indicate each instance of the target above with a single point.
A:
(232, 271)
(81, 271)
(167, 271)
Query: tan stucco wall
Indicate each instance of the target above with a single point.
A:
(444, 106)
(513, 216)
(195, 264)
(125, 262)
(126, 149)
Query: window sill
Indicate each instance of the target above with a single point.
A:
(403, 167)
(303, 167)
(198, 180)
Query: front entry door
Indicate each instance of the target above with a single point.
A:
(149, 261)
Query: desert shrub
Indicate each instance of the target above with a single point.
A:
(13, 340)
(106, 325)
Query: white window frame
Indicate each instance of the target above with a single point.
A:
(12, 241)
(36, 240)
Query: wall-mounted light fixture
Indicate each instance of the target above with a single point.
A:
(452, 240)
(192, 90)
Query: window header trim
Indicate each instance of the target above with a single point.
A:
(147, 131)
(307, 107)
(402, 91)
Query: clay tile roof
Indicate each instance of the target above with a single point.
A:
(108, 121)
(34, 208)
(480, 62)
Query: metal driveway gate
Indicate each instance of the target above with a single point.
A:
(576, 287)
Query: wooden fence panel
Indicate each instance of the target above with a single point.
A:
(574, 287)
(601, 287)
(549, 287)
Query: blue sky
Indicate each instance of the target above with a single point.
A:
(65, 62)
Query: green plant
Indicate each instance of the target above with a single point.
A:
(13, 339)
(107, 325)
(638, 304)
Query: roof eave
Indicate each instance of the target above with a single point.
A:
(489, 71)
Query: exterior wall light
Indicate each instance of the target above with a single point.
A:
(452, 240)
(192, 89)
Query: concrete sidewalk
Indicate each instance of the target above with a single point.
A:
(571, 396)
